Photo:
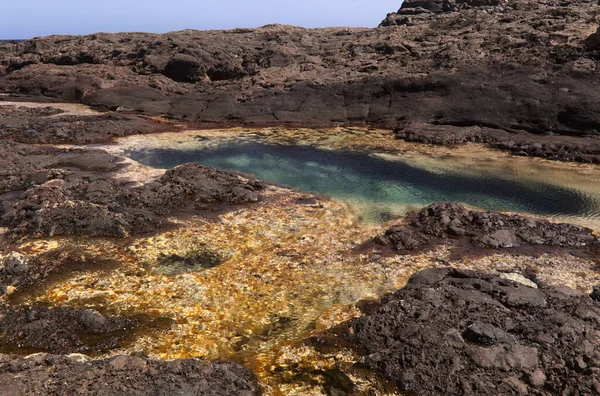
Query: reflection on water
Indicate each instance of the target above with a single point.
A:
(380, 186)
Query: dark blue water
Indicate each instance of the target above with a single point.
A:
(375, 185)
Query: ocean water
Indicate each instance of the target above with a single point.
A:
(378, 187)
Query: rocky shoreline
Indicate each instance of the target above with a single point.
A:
(461, 332)
(145, 270)
(427, 69)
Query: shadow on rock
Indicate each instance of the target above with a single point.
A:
(444, 222)
(31, 329)
(451, 332)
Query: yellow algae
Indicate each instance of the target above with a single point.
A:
(287, 270)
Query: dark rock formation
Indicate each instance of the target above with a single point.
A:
(451, 332)
(35, 126)
(184, 68)
(592, 43)
(438, 222)
(434, 72)
(25, 330)
(560, 148)
(421, 11)
(100, 205)
(121, 375)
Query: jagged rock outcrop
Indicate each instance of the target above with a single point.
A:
(420, 11)
(103, 206)
(438, 222)
(432, 73)
(454, 332)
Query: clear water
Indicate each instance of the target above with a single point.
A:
(379, 188)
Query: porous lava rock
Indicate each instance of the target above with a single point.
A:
(555, 147)
(519, 67)
(438, 222)
(47, 125)
(455, 332)
(29, 329)
(100, 205)
(121, 375)
(184, 68)
(421, 11)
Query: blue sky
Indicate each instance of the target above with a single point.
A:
(29, 18)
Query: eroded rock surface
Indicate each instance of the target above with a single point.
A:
(439, 222)
(433, 70)
(100, 205)
(414, 12)
(44, 125)
(30, 329)
(451, 332)
(122, 375)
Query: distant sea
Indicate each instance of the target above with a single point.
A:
(10, 41)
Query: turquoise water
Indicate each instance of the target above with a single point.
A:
(376, 187)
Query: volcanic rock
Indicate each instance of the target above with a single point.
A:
(104, 206)
(433, 71)
(47, 125)
(592, 43)
(121, 375)
(421, 11)
(62, 330)
(453, 332)
(441, 221)
(184, 68)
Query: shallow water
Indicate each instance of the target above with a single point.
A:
(379, 187)
(250, 286)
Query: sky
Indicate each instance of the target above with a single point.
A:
(22, 19)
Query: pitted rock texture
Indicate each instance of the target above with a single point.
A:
(451, 332)
(121, 375)
(555, 147)
(434, 70)
(99, 205)
(421, 11)
(46, 125)
(30, 329)
(439, 222)
(21, 166)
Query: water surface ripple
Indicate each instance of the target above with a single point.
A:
(377, 186)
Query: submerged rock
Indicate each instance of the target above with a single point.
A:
(453, 332)
(28, 329)
(442, 221)
(121, 375)
(193, 260)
